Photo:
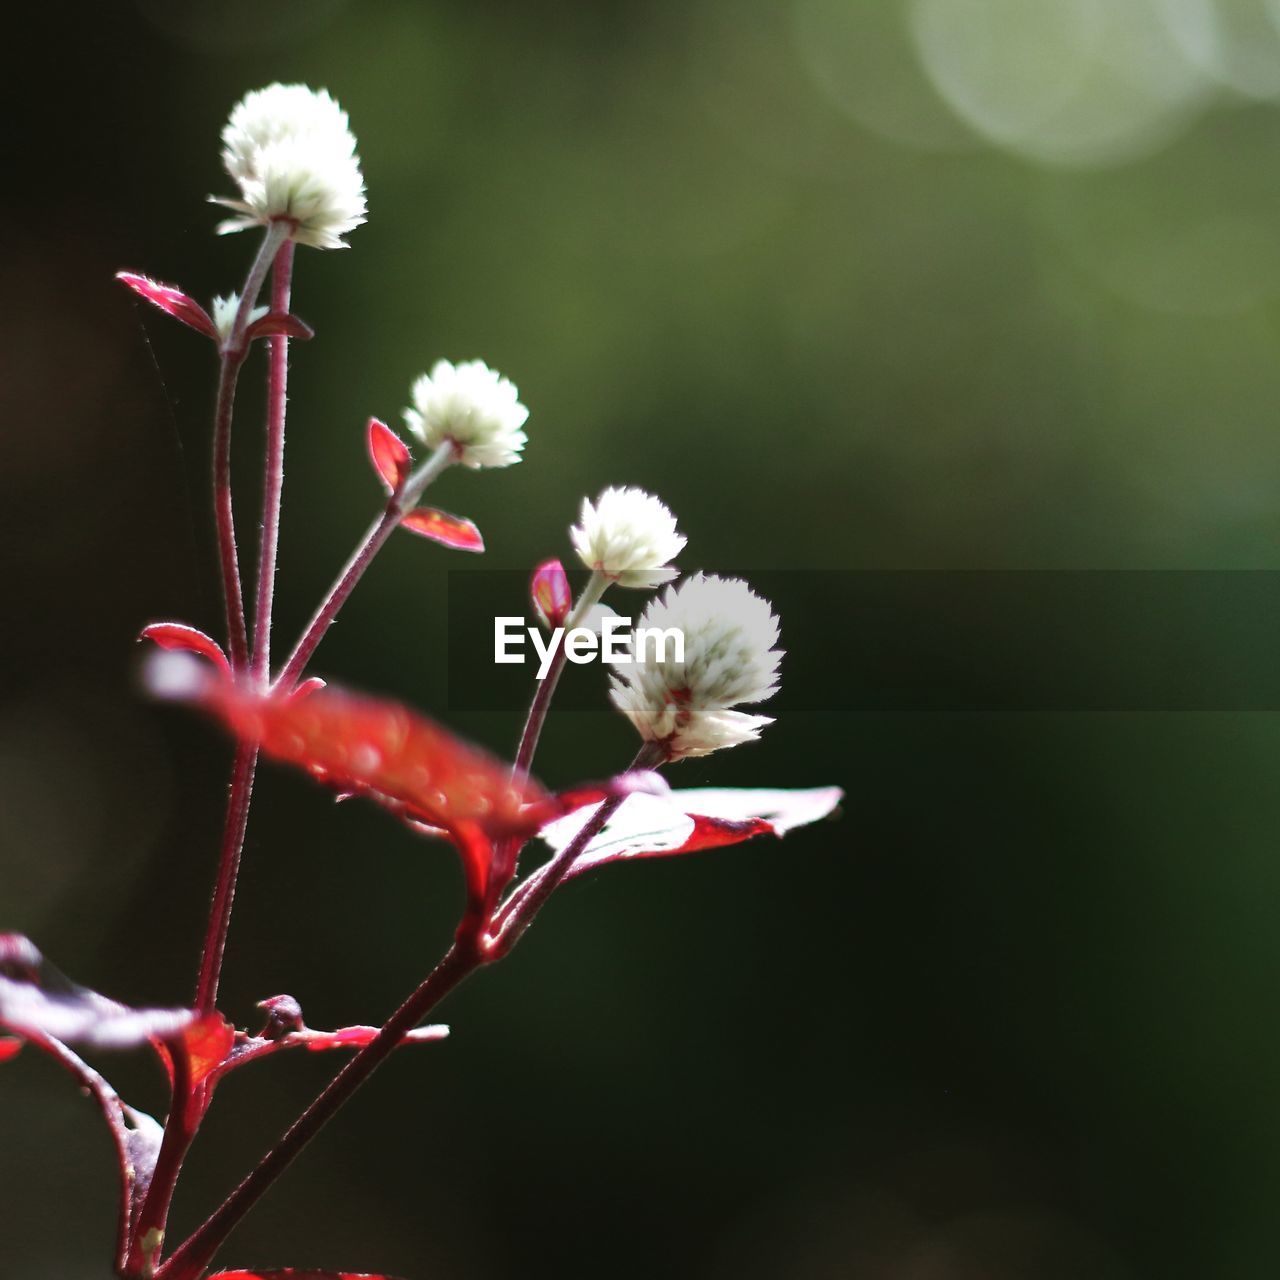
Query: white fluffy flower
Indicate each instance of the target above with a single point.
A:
(474, 408)
(729, 658)
(224, 315)
(629, 536)
(289, 150)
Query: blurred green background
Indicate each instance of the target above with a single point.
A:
(938, 284)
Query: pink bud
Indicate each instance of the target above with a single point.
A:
(549, 591)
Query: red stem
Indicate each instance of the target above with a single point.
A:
(273, 482)
(401, 501)
(179, 1132)
(224, 518)
(372, 542)
(232, 356)
(224, 890)
(275, 247)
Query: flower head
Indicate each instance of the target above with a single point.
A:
(474, 408)
(729, 658)
(629, 536)
(289, 150)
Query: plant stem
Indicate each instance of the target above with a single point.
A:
(189, 1262)
(277, 247)
(596, 586)
(231, 357)
(398, 505)
(239, 796)
(464, 957)
(467, 954)
(179, 1132)
(273, 478)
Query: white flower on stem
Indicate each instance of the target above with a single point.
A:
(629, 536)
(729, 658)
(289, 150)
(472, 407)
(224, 315)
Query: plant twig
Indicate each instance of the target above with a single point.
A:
(189, 1262)
(273, 477)
(398, 505)
(471, 951)
(231, 358)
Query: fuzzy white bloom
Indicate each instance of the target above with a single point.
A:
(474, 408)
(628, 535)
(224, 315)
(729, 658)
(289, 150)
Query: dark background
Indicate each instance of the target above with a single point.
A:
(852, 286)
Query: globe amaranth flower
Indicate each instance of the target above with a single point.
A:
(629, 536)
(289, 150)
(472, 407)
(686, 706)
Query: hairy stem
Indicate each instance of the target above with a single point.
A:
(278, 248)
(179, 1133)
(239, 796)
(273, 478)
(232, 356)
(400, 503)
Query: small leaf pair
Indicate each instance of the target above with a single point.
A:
(181, 306)
(393, 464)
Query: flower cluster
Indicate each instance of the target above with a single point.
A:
(290, 151)
(729, 658)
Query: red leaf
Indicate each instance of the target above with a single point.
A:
(389, 455)
(177, 635)
(450, 531)
(653, 826)
(358, 1037)
(384, 751)
(292, 1273)
(206, 1044)
(9, 1048)
(276, 325)
(171, 301)
(35, 999)
(549, 591)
